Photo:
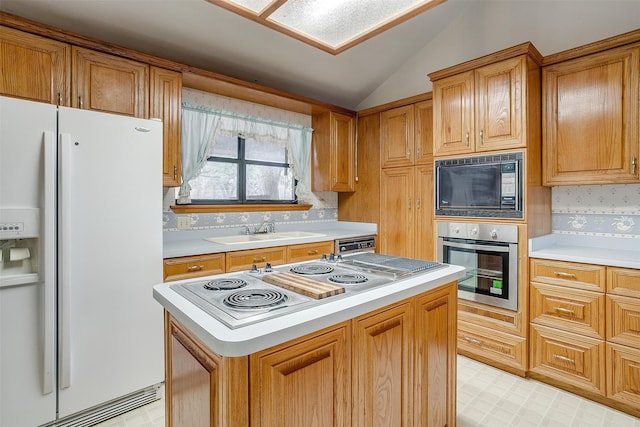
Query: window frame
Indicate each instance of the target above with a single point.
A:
(242, 163)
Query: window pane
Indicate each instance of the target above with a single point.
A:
(217, 181)
(226, 146)
(264, 151)
(269, 183)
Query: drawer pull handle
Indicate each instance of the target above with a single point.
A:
(564, 359)
(313, 252)
(565, 275)
(195, 267)
(259, 259)
(564, 310)
(473, 341)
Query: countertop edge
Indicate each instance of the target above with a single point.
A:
(259, 336)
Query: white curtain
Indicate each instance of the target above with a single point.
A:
(201, 126)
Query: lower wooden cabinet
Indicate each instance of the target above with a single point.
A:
(190, 267)
(308, 251)
(243, 260)
(623, 380)
(498, 348)
(395, 366)
(570, 358)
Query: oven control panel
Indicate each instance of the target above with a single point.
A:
(479, 231)
(356, 244)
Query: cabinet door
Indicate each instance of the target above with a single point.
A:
(34, 67)
(425, 230)
(623, 320)
(396, 136)
(623, 381)
(382, 367)
(423, 138)
(591, 119)
(453, 115)
(166, 104)
(342, 152)
(397, 205)
(109, 84)
(435, 365)
(499, 105)
(306, 382)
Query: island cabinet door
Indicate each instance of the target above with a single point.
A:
(304, 382)
(202, 389)
(435, 366)
(382, 367)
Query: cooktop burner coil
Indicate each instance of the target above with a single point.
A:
(251, 299)
(312, 269)
(224, 284)
(348, 279)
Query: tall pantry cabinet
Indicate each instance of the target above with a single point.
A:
(406, 181)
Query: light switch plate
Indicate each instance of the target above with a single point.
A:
(184, 222)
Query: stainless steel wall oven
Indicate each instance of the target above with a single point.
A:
(490, 254)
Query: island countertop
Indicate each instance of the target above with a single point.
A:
(254, 337)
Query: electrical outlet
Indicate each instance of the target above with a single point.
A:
(184, 222)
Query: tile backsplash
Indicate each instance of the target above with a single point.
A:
(597, 210)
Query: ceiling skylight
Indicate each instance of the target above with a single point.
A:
(331, 25)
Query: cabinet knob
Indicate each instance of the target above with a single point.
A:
(409, 154)
(195, 267)
(633, 165)
(80, 103)
(481, 135)
(467, 137)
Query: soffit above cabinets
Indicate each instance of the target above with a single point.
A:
(330, 25)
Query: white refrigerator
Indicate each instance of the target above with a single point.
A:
(81, 338)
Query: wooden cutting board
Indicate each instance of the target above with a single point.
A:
(303, 285)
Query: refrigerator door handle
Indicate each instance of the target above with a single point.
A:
(49, 277)
(65, 221)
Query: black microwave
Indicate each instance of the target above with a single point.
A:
(487, 186)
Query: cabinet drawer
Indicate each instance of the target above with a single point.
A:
(573, 359)
(243, 260)
(573, 310)
(504, 349)
(623, 381)
(570, 274)
(623, 281)
(308, 251)
(193, 266)
(623, 320)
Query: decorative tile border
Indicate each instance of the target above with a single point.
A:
(597, 210)
(612, 225)
(252, 219)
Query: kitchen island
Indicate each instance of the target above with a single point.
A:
(380, 356)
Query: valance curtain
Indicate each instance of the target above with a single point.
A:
(201, 126)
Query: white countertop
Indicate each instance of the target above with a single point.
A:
(251, 338)
(610, 251)
(192, 242)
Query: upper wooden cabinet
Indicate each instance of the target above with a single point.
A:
(34, 67)
(591, 118)
(109, 83)
(406, 135)
(485, 104)
(166, 104)
(333, 153)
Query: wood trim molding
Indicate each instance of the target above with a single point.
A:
(180, 209)
(394, 104)
(193, 77)
(522, 49)
(598, 46)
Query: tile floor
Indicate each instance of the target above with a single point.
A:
(487, 397)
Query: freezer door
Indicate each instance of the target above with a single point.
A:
(110, 245)
(27, 301)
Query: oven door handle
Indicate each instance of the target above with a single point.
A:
(476, 247)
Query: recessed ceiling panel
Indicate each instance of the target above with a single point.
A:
(330, 25)
(336, 22)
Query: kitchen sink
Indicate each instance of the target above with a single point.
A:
(266, 237)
